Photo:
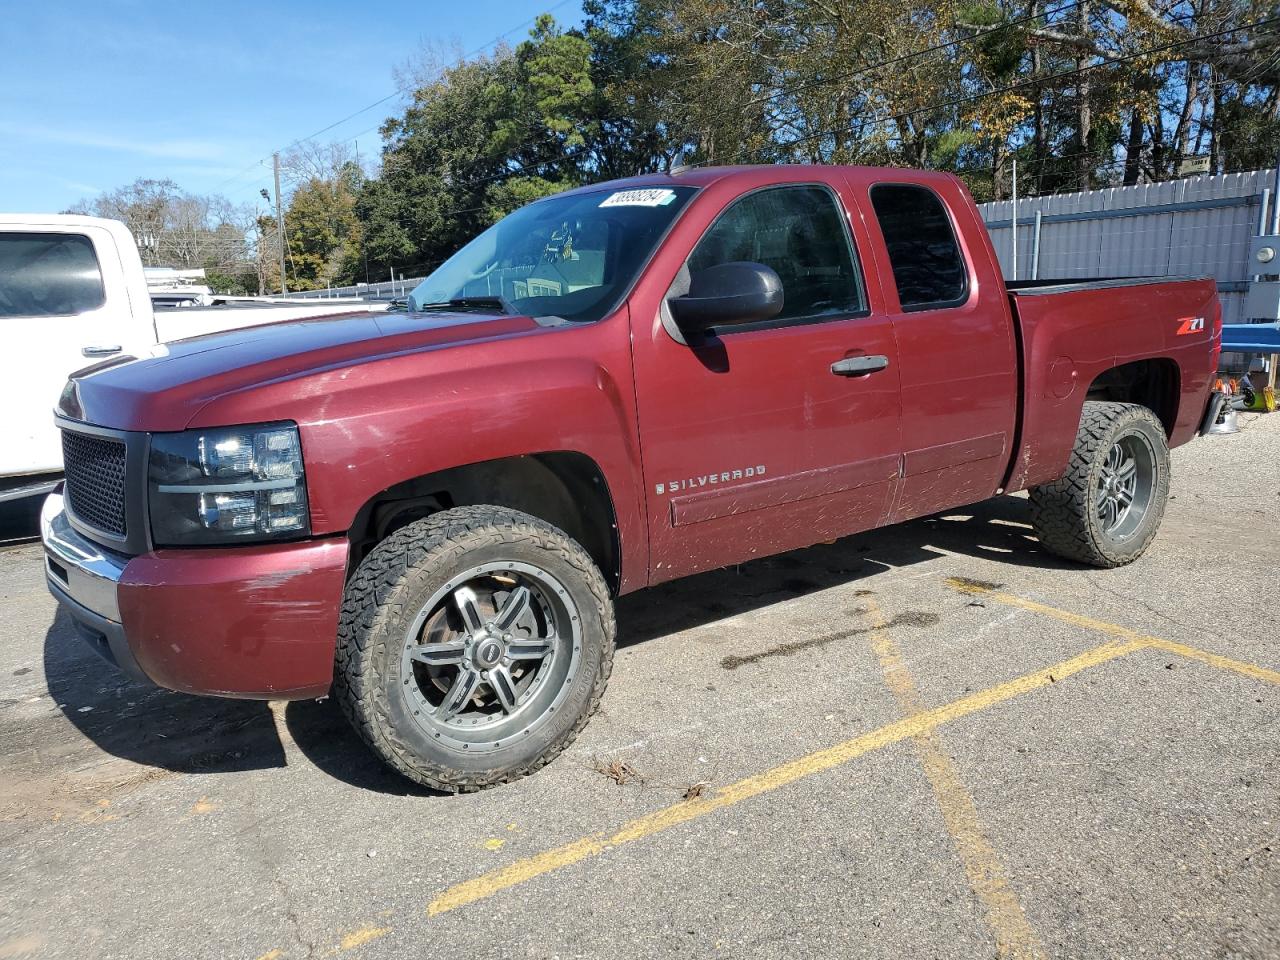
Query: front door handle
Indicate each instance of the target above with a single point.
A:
(104, 350)
(859, 366)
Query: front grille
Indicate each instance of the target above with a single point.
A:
(95, 480)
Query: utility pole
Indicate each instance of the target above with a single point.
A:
(364, 247)
(279, 221)
(1015, 217)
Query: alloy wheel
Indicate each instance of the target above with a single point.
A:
(490, 655)
(1124, 486)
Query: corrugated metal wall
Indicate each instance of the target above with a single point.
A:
(1198, 226)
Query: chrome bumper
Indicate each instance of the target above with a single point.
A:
(75, 567)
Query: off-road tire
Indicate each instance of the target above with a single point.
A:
(1063, 512)
(379, 604)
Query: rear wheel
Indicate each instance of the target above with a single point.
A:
(474, 645)
(1105, 510)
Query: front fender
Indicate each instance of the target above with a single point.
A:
(370, 427)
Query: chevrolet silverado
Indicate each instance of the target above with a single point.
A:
(429, 512)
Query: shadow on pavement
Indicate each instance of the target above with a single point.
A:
(147, 725)
(321, 732)
(197, 734)
(998, 530)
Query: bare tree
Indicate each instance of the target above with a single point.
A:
(175, 228)
(425, 65)
(311, 160)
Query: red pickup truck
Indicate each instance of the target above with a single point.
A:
(429, 512)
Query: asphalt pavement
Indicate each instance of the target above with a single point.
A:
(929, 741)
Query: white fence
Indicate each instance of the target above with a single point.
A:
(1199, 226)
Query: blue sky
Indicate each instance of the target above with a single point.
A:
(94, 95)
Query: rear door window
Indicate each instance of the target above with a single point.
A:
(798, 231)
(48, 275)
(928, 267)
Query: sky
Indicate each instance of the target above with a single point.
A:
(94, 95)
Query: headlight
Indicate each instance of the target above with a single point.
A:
(227, 485)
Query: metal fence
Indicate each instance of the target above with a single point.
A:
(386, 290)
(1198, 226)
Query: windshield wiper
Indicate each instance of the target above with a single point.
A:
(470, 303)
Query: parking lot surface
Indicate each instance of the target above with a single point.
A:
(929, 741)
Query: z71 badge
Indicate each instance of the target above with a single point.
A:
(1190, 325)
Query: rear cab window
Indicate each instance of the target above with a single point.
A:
(48, 275)
(928, 267)
(799, 231)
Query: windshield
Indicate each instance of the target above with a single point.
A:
(568, 256)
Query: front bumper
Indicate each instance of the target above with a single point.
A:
(254, 621)
(84, 579)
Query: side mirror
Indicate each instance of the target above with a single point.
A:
(728, 293)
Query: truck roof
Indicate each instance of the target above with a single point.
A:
(55, 219)
(65, 223)
(763, 174)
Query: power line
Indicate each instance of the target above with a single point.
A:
(889, 118)
(392, 96)
(443, 171)
(873, 67)
(338, 123)
(236, 176)
(911, 56)
(1037, 81)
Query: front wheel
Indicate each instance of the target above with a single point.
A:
(1105, 510)
(473, 646)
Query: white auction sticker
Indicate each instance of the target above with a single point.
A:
(658, 197)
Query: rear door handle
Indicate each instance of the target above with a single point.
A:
(105, 350)
(859, 366)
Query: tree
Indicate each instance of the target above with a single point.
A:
(174, 228)
(631, 93)
(1080, 93)
(325, 236)
(482, 138)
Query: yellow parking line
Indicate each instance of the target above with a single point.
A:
(1005, 916)
(1113, 629)
(521, 871)
(358, 938)
(1008, 599)
(1215, 660)
(1013, 933)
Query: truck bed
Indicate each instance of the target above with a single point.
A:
(1153, 330)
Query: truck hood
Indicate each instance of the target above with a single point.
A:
(165, 390)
